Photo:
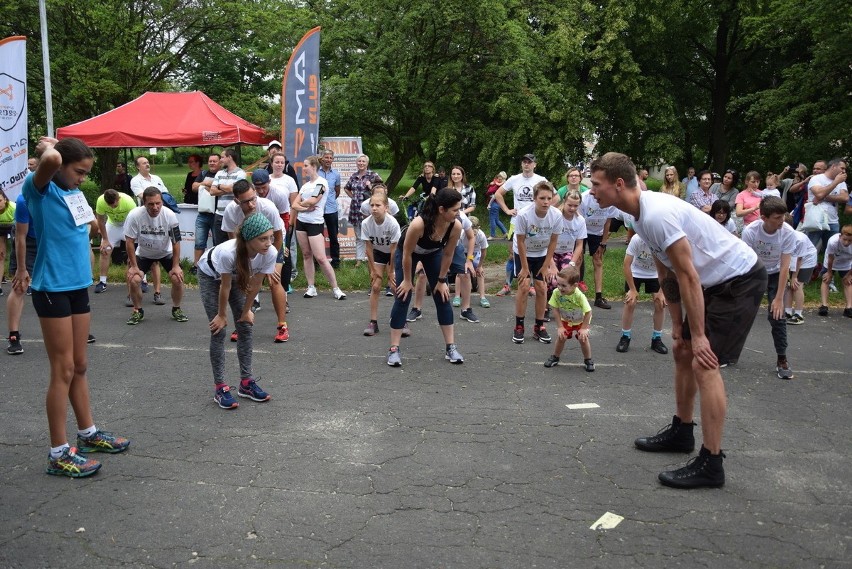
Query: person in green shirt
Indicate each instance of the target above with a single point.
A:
(111, 210)
(573, 177)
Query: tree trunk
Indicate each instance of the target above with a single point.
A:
(721, 95)
(402, 157)
(107, 159)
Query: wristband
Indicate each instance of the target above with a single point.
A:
(471, 257)
(443, 280)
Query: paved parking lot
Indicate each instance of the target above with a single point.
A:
(355, 464)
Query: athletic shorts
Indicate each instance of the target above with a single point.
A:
(729, 311)
(535, 264)
(459, 259)
(146, 264)
(312, 229)
(380, 257)
(570, 329)
(651, 285)
(61, 304)
(115, 234)
(593, 242)
(804, 275)
(6, 230)
(32, 249)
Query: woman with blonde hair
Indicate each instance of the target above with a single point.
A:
(671, 183)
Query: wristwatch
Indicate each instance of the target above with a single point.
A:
(443, 280)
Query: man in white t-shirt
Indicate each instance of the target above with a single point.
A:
(152, 235)
(713, 284)
(145, 179)
(825, 191)
(222, 188)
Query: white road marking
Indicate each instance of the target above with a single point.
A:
(607, 521)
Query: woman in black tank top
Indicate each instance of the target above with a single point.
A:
(429, 239)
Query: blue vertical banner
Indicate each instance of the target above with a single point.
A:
(13, 115)
(300, 101)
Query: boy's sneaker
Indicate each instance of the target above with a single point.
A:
(823, 311)
(583, 286)
(253, 391)
(589, 363)
(704, 470)
(552, 361)
(456, 301)
(282, 334)
(602, 303)
(311, 292)
(224, 398)
(100, 287)
(540, 334)
(518, 335)
(469, 315)
(847, 312)
(783, 369)
(136, 317)
(676, 437)
(372, 329)
(178, 315)
(234, 336)
(453, 355)
(102, 441)
(505, 291)
(414, 314)
(91, 339)
(255, 306)
(388, 291)
(69, 463)
(394, 357)
(658, 346)
(623, 344)
(339, 294)
(832, 287)
(158, 299)
(144, 286)
(15, 346)
(796, 320)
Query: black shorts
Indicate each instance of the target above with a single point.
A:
(804, 274)
(651, 285)
(61, 304)
(312, 229)
(535, 264)
(729, 311)
(32, 246)
(146, 264)
(593, 242)
(380, 257)
(7, 230)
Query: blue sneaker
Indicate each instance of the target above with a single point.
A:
(253, 391)
(224, 398)
(69, 463)
(102, 441)
(144, 287)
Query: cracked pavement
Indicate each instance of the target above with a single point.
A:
(356, 464)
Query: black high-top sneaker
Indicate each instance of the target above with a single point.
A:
(703, 471)
(676, 437)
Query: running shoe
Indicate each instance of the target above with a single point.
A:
(128, 303)
(795, 319)
(456, 301)
(505, 291)
(552, 361)
(623, 344)
(282, 334)
(414, 314)
(847, 312)
(255, 306)
(406, 331)
(100, 287)
(547, 314)
(339, 294)
(394, 357)
(658, 346)
(144, 287)
(583, 286)
(234, 336)
(15, 347)
(783, 369)
(178, 315)
(469, 315)
(102, 441)
(589, 364)
(602, 303)
(158, 299)
(453, 355)
(540, 334)
(224, 398)
(518, 335)
(91, 339)
(372, 329)
(823, 311)
(388, 291)
(252, 390)
(29, 291)
(484, 303)
(136, 317)
(311, 292)
(69, 463)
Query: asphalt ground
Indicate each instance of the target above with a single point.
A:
(432, 465)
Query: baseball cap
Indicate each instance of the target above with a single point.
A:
(260, 177)
(528, 157)
(274, 143)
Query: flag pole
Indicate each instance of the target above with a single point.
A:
(45, 58)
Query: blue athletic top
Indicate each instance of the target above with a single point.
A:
(22, 215)
(62, 261)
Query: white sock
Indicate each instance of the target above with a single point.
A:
(103, 279)
(798, 312)
(88, 432)
(56, 452)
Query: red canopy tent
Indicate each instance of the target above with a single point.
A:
(166, 119)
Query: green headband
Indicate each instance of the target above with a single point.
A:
(254, 225)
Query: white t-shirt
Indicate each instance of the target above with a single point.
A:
(319, 187)
(716, 254)
(279, 198)
(225, 178)
(830, 208)
(537, 230)
(285, 184)
(804, 250)
(842, 254)
(595, 217)
(381, 236)
(224, 259)
(572, 230)
(643, 266)
(234, 216)
(393, 208)
(480, 242)
(152, 235)
(770, 246)
(522, 188)
(138, 184)
(731, 225)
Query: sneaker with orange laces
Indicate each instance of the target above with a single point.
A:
(505, 291)
(282, 334)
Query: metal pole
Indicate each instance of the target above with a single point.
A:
(45, 59)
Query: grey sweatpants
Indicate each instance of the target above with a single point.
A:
(209, 288)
